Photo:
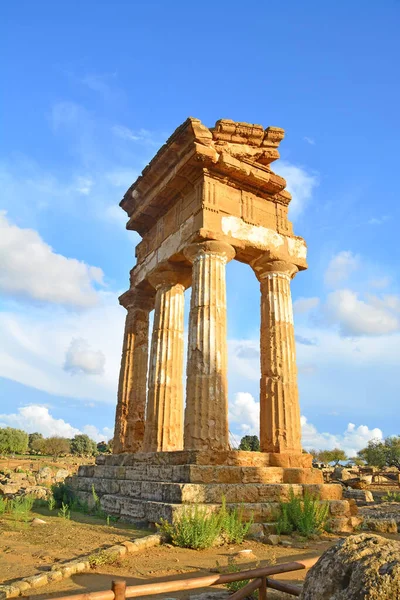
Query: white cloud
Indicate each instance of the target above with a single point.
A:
(36, 417)
(84, 185)
(309, 140)
(340, 267)
(142, 135)
(378, 220)
(244, 413)
(80, 358)
(304, 305)
(351, 441)
(358, 317)
(300, 184)
(29, 267)
(34, 341)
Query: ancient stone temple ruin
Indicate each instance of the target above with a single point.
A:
(208, 196)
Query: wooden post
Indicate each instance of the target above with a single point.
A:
(119, 589)
(262, 594)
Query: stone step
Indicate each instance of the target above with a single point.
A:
(137, 510)
(200, 492)
(230, 458)
(202, 474)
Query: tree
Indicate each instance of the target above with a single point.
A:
(35, 442)
(55, 446)
(332, 456)
(380, 453)
(250, 443)
(13, 441)
(103, 447)
(82, 445)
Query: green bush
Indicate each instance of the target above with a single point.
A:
(306, 515)
(233, 527)
(391, 497)
(195, 527)
(62, 494)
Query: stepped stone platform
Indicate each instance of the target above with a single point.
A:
(146, 487)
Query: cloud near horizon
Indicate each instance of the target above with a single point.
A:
(37, 418)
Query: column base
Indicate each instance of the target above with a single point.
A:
(151, 486)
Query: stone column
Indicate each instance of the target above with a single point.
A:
(131, 406)
(280, 429)
(164, 417)
(206, 414)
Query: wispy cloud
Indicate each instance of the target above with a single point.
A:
(309, 140)
(300, 183)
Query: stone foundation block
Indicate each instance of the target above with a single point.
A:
(313, 476)
(339, 508)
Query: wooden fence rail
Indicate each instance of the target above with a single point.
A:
(259, 579)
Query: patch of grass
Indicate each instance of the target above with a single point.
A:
(3, 505)
(307, 515)
(391, 497)
(195, 527)
(98, 559)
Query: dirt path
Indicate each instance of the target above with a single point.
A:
(167, 562)
(26, 550)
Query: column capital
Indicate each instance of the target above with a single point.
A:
(217, 248)
(265, 268)
(138, 299)
(170, 274)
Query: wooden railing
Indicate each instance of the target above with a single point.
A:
(259, 580)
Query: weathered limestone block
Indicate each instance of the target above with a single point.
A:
(133, 489)
(360, 567)
(328, 491)
(339, 508)
(381, 525)
(206, 413)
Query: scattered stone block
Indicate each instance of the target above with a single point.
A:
(382, 525)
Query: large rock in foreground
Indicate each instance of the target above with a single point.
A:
(360, 567)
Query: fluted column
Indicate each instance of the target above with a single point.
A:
(206, 414)
(280, 429)
(131, 406)
(164, 417)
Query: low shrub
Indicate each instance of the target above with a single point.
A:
(195, 527)
(62, 494)
(101, 558)
(391, 497)
(307, 515)
(233, 526)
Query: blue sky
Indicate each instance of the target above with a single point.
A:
(92, 89)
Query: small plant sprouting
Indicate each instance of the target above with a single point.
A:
(51, 503)
(64, 511)
(3, 505)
